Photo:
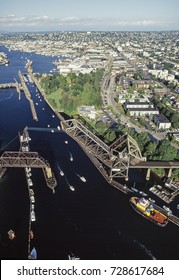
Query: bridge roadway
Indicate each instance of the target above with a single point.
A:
(156, 164)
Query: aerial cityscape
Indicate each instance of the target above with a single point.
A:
(89, 130)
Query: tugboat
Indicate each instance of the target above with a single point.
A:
(147, 210)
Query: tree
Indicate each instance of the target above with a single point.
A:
(165, 151)
(150, 149)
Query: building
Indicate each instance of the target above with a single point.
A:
(142, 84)
(139, 105)
(87, 111)
(161, 121)
(141, 112)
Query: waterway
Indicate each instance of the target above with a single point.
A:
(95, 221)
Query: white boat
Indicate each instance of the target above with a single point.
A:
(53, 116)
(177, 206)
(72, 188)
(11, 234)
(61, 172)
(71, 157)
(134, 189)
(83, 178)
(143, 193)
(33, 254)
(48, 125)
(167, 209)
(52, 131)
(151, 200)
(66, 142)
(58, 127)
(33, 218)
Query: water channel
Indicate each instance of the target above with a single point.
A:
(95, 221)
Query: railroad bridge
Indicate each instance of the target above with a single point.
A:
(116, 159)
(25, 158)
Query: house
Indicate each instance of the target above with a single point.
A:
(161, 121)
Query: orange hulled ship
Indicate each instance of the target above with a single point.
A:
(145, 208)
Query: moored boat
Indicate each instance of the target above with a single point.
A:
(142, 193)
(33, 254)
(145, 208)
(11, 234)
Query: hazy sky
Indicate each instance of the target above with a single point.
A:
(54, 15)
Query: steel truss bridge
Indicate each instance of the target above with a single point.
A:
(25, 158)
(22, 159)
(116, 159)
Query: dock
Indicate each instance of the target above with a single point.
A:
(34, 80)
(28, 96)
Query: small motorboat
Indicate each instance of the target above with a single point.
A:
(71, 157)
(72, 188)
(82, 178)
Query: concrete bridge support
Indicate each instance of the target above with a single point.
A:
(169, 172)
(148, 174)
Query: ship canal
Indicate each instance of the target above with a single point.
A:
(94, 221)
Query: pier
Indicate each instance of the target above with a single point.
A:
(28, 96)
(12, 85)
(40, 89)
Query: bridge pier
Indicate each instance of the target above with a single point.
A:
(169, 172)
(148, 174)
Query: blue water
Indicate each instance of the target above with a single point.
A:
(95, 221)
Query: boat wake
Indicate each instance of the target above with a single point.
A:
(6, 98)
(137, 246)
(145, 249)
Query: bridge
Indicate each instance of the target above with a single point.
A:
(115, 159)
(25, 158)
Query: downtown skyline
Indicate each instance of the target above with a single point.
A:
(114, 15)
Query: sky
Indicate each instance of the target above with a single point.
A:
(89, 15)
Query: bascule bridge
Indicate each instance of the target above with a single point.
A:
(113, 160)
(25, 158)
